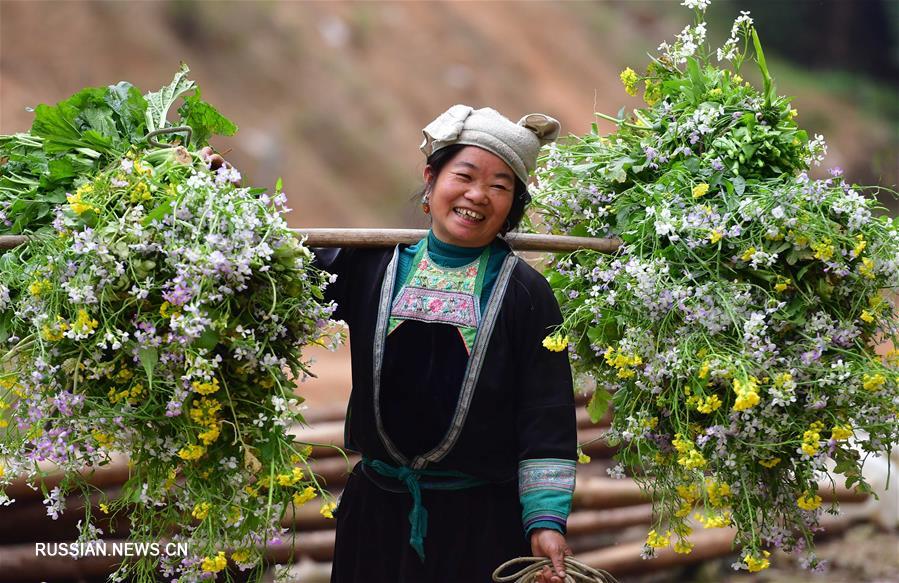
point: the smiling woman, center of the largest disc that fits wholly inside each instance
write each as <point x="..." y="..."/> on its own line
<point x="464" y="419"/>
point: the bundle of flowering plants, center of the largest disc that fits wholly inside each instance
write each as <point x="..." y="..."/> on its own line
<point x="735" y="329"/>
<point x="162" y="316"/>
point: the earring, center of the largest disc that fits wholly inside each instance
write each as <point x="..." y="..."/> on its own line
<point x="425" y="203"/>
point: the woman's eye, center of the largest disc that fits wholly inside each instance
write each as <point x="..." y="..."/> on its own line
<point x="463" y="176"/>
<point x="500" y="186"/>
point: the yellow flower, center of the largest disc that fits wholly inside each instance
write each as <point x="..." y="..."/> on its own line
<point x="715" y="91"/>
<point x="327" y="510"/>
<point x="306" y="495"/>
<point x="866" y="269"/>
<point x="76" y="203"/>
<point x="140" y="192"/>
<point x="218" y="562"/>
<point x="688" y="456"/>
<point x="688" y="492"/>
<point x="792" y="113"/>
<point x="715" y="235"/>
<point x="103" y="440"/>
<point x="656" y="540"/>
<point x="823" y="250"/>
<point x="747" y="394"/>
<point x="209" y="436"/>
<point x="873" y="383"/>
<point x="841" y="432"/>
<point x="700" y="190"/>
<point x="290" y="479"/>
<point x="240" y="556"/>
<point x="104" y="508"/>
<point x="684" y="547"/>
<point x="704" y="370"/>
<point x="866" y="316"/>
<point x="808" y="502"/>
<point x="747" y="255"/>
<point x="206" y="388"/>
<point x="54" y="333"/>
<point x="192" y="452"/>
<point x="141" y="168"/>
<point x="718" y="492"/>
<point x="40" y="286"/>
<point x="715" y="520"/>
<point x="629" y="79"/>
<point x="555" y="343"/>
<point x="783" y="283"/>
<point x="709" y="404"/>
<point x="201" y="510"/>
<point x="811" y="438"/>
<point x="859" y="245"/>
<point x="754" y="563"/>
<point x="83" y="323"/>
<point x="770" y="462"/>
<point x="583" y="458"/>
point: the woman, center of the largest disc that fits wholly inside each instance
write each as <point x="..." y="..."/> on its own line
<point x="465" y="422"/>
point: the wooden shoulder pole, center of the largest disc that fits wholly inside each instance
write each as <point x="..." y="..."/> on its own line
<point x="391" y="237"/>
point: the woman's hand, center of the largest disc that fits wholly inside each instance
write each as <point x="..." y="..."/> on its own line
<point x="546" y="542"/>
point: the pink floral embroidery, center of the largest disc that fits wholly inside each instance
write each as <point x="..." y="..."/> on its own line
<point x="435" y="305"/>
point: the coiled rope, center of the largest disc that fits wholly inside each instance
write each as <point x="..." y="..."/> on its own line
<point x="575" y="571"/>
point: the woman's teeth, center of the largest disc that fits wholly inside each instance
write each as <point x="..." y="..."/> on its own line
<point x="468" y="214"/>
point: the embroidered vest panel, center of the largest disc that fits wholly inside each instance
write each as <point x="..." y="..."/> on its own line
<point x="441" y="295"/>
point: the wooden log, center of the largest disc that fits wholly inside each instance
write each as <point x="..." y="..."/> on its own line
<point x="11" y="241"/>
<point x="593" y="442"/>
<point x="601" y="493"/>
<point x="391" y="237"/>
<point x="113" y="474"/>
<point x="593" y="521"/>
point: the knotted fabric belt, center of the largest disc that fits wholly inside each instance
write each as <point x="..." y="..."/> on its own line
<point x="418" y="518"/>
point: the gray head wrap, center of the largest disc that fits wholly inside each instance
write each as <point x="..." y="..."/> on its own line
<point x="517" y="144"/>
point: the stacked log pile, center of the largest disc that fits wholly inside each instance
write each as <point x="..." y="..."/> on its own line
<point x="606" y="528"/>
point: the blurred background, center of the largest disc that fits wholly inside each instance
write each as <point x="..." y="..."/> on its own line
<point x="332" y="96"/>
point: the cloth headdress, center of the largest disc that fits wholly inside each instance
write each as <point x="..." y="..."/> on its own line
<point x="516" y="143"/>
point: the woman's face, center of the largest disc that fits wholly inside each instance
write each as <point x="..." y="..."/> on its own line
<point x="471" y="197"/>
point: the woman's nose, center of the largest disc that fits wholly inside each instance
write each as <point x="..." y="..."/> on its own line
<point x="477" y="194"/>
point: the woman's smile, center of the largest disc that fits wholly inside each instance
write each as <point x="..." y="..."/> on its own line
<point x="471" y="198"/>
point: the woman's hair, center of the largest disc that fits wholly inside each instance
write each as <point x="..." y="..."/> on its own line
<point x="520" y="200"/>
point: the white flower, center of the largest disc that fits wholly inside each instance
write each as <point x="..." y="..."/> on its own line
<point x="696" y="4"/>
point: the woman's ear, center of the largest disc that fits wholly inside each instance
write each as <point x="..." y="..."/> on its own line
<point x="428" y="176"/>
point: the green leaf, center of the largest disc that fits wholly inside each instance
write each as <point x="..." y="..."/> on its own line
<point x="763" y="67"/>
<point x="204" y="119"/>
<point x="159" y="102"/>
<point x="159" y="212"/>
<point x="739" y="184"/>
<point x="278" y="185"/>
<point x="60" y="121"/>
<point x="208" y="339"/>
<point x="698" y="89"/>
<point x="599" y="404"/>
<point x="130" y="108"/>
<point x="148" y="358"/>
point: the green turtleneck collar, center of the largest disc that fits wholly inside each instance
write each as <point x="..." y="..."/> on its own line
<point x="449" y="255"/>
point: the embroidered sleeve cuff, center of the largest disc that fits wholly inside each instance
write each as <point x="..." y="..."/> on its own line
<point x="545" y="488"/>
<point x="544" y="524"/>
